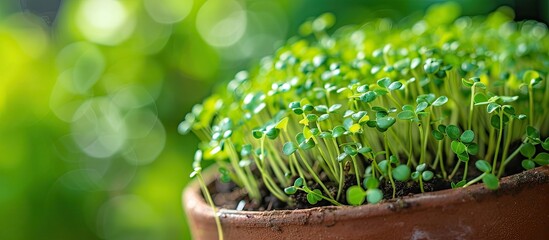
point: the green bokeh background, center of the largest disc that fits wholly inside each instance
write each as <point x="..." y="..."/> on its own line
<point x="90" y="101"/>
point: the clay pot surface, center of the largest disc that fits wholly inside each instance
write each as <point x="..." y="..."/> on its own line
<point x="519" y="209"/>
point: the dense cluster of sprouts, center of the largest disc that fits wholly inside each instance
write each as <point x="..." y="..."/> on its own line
<point x="380" y="102"/>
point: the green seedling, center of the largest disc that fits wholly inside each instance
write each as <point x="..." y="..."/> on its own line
<point x="373" y="105"/>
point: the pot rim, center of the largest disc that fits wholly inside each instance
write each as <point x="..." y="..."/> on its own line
<point x="192" y="199"/>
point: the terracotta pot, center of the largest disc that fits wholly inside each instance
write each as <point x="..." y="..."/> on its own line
<point x="518" y="210"/>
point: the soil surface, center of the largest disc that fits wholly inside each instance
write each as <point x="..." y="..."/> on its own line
<point x="230" y="196"/>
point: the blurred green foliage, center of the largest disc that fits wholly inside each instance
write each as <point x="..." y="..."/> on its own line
<point x="89" y="104"/>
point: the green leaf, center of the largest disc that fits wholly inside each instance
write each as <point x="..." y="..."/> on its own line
<point x="508" y="99"/>
<point x="495" y="121"/>
<point x="312" y="198"/>
<point x="421" y="167"/>
<point x="334" y="108"/>
<point x="384" y="82"/>
<point x="510" y="110"/>
<point x="394" y="86"/>
<point x="431" y="66"/>
<point x="363" y="88"/>
<point x="530" y="76"/>
<point x="383" y="166"/>
<point x="542" y="159"/>
<point x="421" y="106"/>
<point x="282" y="124"/>
<point x="480" y="85"/>
<point x="308" y="108"/>
<point x="393" y="159"/>
<point x="342" y="156"/>
<point x="492" y="107"/>
<point x="401" y="173"/>
<point x="355" y="128"/>
<point x="289" y="148"/>
<point x="374" y="195"/>
<point x="415" y="176"/>
<point x="311" y="117"/>
<point x="306" y="145"/>
<point x="257" y="133"/>
<point x="355" y="195"/>
<point x="483" y="166"/>
<point x="290" y="190"/>
<point x="246" y="150"/>
<point x="415" y="63"/>
<point x="407" y="108"/>
<point x="491" y="181"/>
<point x="453" y="132"/>
<point x="472" y="149"/>
<point x="528" y="164"/>
<point x="467" y="136"/>
<point x="385" y="122"/>
<point x="307" y="133"/>
<point x="528" y="150"/>
<point x="295" y="104"/>
<point x="459" y="184"/>
<point x="464" y="157"/>
<point x="297" y="111"/>
<point x="427" y="175"/>
<point x="370" y="182"/>
<point x="198" y="157"/>
<point x="442" y="128"/>
<point x="338" y="131"/>
<point x="480" y="98"/>
<point x="437" y="135"/>
<point x="440" y="101"/>
<point x="273" y="133"/>
<point x="323" y="117"/>
<point x="298" y="182"/>
<point x="380" y="92"/>
<point x="364" y="150"/>
<point x="466" y="83"/>
<point x="532" y="132"/>
<point x="406" y="115"/>
<point x="458" y="147"/>
<point x="321" y="108"/>
<point x="326" y="135"/>
<point x="545" y="144"/>
<point x="368" y="96"/>
<point x="351" y="151"/>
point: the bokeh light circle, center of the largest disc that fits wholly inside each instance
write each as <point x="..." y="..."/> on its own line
<point x="221" y="23"/>
<point x="104" y="21"/>
<point x="168" y="11"/>
<point x="98" y="128"/>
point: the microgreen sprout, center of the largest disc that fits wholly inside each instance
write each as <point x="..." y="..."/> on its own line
<point x="344" y="114"/>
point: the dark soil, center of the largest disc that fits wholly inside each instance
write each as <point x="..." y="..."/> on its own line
<point x="230" y="196"/>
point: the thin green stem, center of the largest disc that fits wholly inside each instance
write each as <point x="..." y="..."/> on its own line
<point x="421" y="184"/>
<point x="314" y="175"/>
<point x="508" y="159"/>
<point x="212" y="205"/>
<point x="531" y="103"/>
<point x="474" y="180"/>
<point x="355" y="166"/>
<point x="331" y="200"/>
<point x="465" y="170"/>
<point x="471" y="108"/>
<point x="341" y="180"/>
<point x="389" y="167"/>
<point x="410" y="155"/>
<point x="495" y="159"/>
<point x="253" y="192"/>
<point x="455" y="169"/>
